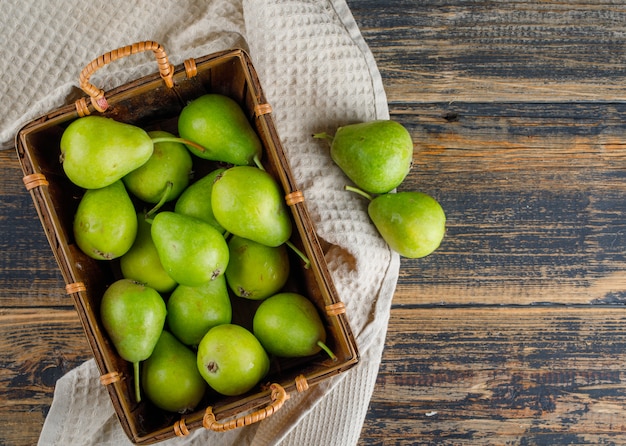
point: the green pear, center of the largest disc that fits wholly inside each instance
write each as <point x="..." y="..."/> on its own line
<point x="195" y="200"/>
<point x="231" y="359"/>
<point x="412" y="223"/>
<point x="167" y="171"/>
<point x="375" y="155"/>
<point x="256" y="271"/>
<point x="248" y="202"/>
<point x="105" y="222"/>
<point x="170" y="378"/>
<point x="192" y="251"/>
<point x="133" y="315"/>
<point x="192" y="311"/>
<point x="142" y="264"/>
<point x="219" y="124"/>
<point x="288" y="325"/>
<point x="97" y="151"/>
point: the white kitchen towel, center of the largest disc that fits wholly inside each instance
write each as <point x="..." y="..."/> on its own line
<point x="317" y="73"/>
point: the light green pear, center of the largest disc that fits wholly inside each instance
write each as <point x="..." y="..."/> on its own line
<point x="105" y="222"/>
<point x="256" y="271"/>
<point x="97" y="151"/>
<point x="375" y="155"/>
<point x="219" y="124"/>
<point x="249" y="202"/>
<point x="412" y="223"/>
<point x="195" y="200"/>
<point x="133" y="315"/>
<point x="192" y="251"/>
<point x="170" y="377"/>
<point x="192" y="311"/>
<point x="288" y="325"/>
<point x="167" y="171"/>
<point x="231" y="359"/>
<point x="142" y="264"/>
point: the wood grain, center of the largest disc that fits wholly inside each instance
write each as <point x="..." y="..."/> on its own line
<point x="498" y="375"/>
<point x="434" y="51"/>
<point x="513" y="331"/>
<point x="41" y="338"/>
<point x="37" y="347"/>
<point x="534" y="200"/>
<point x="29" y="275"/>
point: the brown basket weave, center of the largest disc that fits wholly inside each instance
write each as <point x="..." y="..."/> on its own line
<point x="154" y="102"/>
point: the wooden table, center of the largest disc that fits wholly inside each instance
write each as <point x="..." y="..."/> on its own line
<point x="514" y="331"/>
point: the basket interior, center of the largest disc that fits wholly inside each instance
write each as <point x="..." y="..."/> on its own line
<point x="148" y="103"/>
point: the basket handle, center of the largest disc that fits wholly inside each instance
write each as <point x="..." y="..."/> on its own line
<point x="166" y="70"/>
<point x="278" y="396"/>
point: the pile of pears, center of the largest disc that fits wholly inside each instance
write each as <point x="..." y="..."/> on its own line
<point x="187" y="249"/>
<point x="377" y="156"/>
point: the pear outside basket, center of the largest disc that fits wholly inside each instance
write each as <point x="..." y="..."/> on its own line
<point x="154" y="102"/>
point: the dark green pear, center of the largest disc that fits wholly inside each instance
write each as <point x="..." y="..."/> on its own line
<point x="288" y="325"/>
<point x="192" y="251"/>
<point x="219" y="124"/>
<point x="256" y="271"/>
<point x="248" y="202"/>
<point x="192" y="311"/>
<point x="133" y="316"/>
<point x="412" y="223"/>
<point x="170" y="378"/>
<point x="142" y="263"/>
<point x="195" y="201"/>
<point x="167" y="171"/>
<point x="375" y="155"/>
<point x="97" y="151"/>
<point x="231" y="359"/>
<point x="105" y="222"/>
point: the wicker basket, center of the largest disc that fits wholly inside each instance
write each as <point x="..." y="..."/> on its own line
<point x="154" y="102"/>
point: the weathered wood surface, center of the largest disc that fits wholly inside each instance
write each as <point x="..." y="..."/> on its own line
<point x="498" y="51"/>
<point x="501" y="375"/>
<point x="40" y="334"/>
<point x="534" y="195"/>
<point x="513" y="332"/>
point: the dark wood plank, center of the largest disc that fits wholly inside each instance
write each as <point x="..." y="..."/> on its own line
<point x="434" y="50"/>
<point x="516" y="110"/>
<point x="469" y="376"/>
<point x="534" y="200"/>
<point x="29" y="276"/>
<point x="512" y="333"/>
<point x="41" y="338"/>
<point x="37" y="347"/>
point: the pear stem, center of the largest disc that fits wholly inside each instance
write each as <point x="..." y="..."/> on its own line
<point x="137" y="385"/>
<point x="257" y="162"/>
<point x="187" y="142"/>
<point x="305" y="259"/>
<point x="323" y="135"/>
<point x="162" y="201"/>
<point x="324" y="347"/>
<point x="358" y="191"/>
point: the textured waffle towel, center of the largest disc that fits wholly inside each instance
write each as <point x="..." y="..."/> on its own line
<point x="317" y="73"/>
